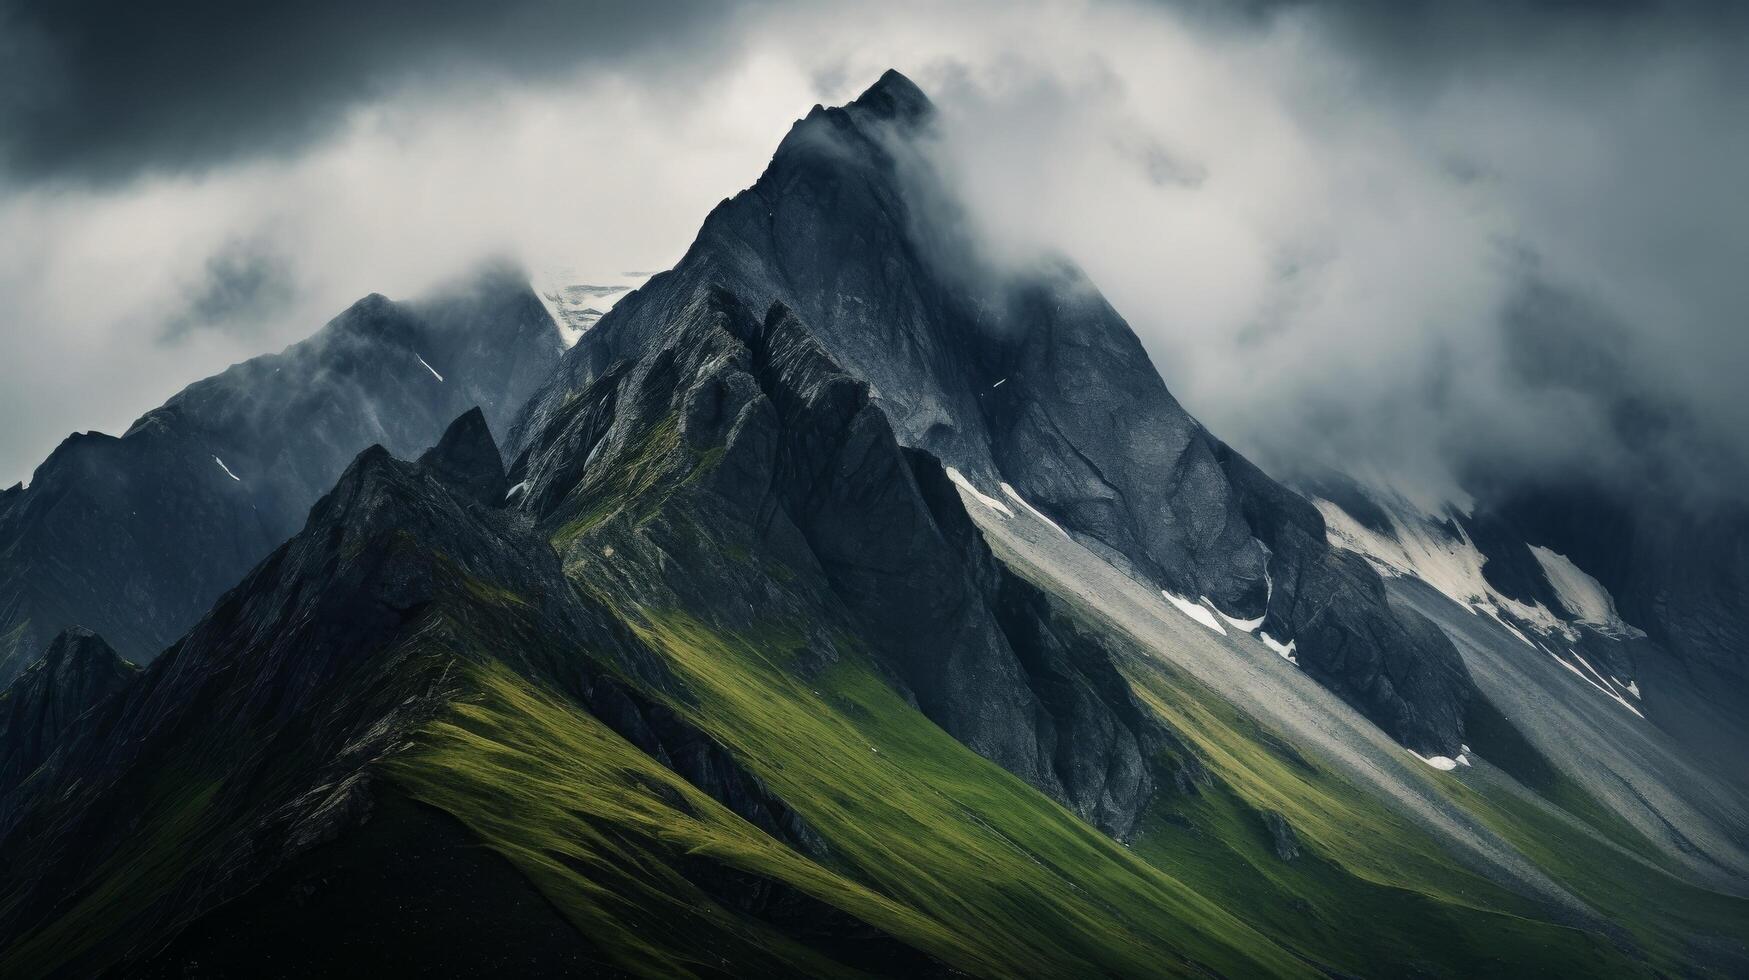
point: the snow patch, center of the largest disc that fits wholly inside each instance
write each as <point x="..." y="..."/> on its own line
<point x="576" y="302"/>
<point x="1437" y="550"/>
<point x="960" y="481"/>
<point x="1011" y="494"/>
<point x="513" y="491"/>
<point x="1585" y="597"/>
<point x="1283" y="650"/>
<point x="1244" y="625"/>
<point x="1196" y="611"/>
<point x="1440" y="762"/>
<point x="428" y="367"/>
<point x="227" y="469"/>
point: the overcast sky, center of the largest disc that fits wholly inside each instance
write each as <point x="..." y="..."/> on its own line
<point x="1408" y="238"/>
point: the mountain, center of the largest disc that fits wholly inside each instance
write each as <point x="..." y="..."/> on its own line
<point x="742" y="667"/>
<point x="136" y="536"/>
<point x="991" y="372"/>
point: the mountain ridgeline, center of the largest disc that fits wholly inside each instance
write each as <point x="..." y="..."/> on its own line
<point x="821" y="612"/>
<point x="135" y="536"/>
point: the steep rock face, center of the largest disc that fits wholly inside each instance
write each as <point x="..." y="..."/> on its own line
<point x="467" y="458"/>
<point x="135" y="536"/>
<point x="1025" y="378"/>
<point x="1105" y="748"/>
<point x="804" y="468"/>
<point x="1386" y="660"/>
<point x="78" y="672"/>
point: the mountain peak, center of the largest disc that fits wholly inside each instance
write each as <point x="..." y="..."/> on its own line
<point x="79" y="670"/>
<point x="893" y="96"/>
<point x="467" y="458"/>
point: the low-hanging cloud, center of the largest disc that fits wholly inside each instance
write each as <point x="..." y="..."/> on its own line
<point x="1394" y="267"/>
<point x="1417" y="240"/>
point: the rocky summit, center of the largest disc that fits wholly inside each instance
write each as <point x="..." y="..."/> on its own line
<point x="839" y="604"/>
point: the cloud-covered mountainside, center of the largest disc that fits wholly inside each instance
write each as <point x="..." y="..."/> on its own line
<point x="825" y="610"/>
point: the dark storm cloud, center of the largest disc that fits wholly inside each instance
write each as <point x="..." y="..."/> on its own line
<point x="103" y="89"/>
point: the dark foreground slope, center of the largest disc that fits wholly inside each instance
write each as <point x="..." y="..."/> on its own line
<point x="136" y="536"/>
<point x="1032" y="380"/>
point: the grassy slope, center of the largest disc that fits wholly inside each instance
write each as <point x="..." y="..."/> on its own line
<point x="605" y="831"/>
<point x="1018" y="880"/>
<point x="936" y="846"/>
<point x="1371" y="873"/>
<point x="1363" y="870"/>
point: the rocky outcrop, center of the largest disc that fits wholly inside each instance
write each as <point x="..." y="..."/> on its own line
<point x="750" y="422"/>
<point x="79" y="672"/>
<point x="136" y="536"/>
<point x="467" y="458"/>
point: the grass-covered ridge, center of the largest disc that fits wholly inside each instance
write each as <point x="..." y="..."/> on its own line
<point x="608" y="835"/>
<point x="1024" y="886"/>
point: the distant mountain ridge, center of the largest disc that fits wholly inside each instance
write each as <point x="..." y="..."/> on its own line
<point x="134" y="536"/>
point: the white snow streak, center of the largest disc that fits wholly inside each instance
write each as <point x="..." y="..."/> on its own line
<point x="998" y="384"/>
<point x="227" y="469"/>
<point x="1618" y="699"/>
<point x="1244" y="625"/>
<point x="513" y="491"/>
<point x="960" y="480"/>
<point x="1010" y="493"/>
<point x="1283" y="650"/>
<point x="1196" y="611"/>
<point x="428" y="367"/>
